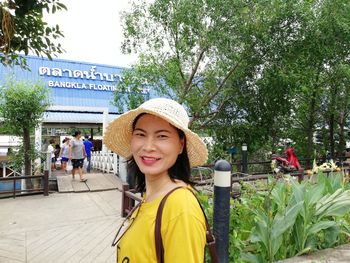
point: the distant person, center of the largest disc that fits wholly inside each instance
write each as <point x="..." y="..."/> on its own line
<point x="64" y="154"/>
<point x="291" y="156"/>
<point x="77" y="154"/>
<point x="88" y="147"/>
<point x="51" y="150"/>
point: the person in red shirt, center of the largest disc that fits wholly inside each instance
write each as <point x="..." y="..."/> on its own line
<point x="291" y="157"/>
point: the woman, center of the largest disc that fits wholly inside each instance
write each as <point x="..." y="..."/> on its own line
<point x="64" y="153"/>
<point x="160" y="150"/>
<point x="77" y="154"/>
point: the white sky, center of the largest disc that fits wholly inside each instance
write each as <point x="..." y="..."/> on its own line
<point x="93" y="31"/>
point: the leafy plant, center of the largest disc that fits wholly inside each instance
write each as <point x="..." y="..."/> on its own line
<point x="299" y="218"/>
<point x="287" y="218"/>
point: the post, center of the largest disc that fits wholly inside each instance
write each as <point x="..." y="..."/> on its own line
<point x="46" y="183"/>
<point x="48" y="163"/>
<point x="14" y="186"/>
<point x="125" y="200"/>
<point x="38" y="132"/>
<point x="221" y="217"/>
<point x="244" y="158"/>
<point x="104" y="127"/>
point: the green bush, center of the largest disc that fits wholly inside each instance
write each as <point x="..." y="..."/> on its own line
<point x="288" y="218"/>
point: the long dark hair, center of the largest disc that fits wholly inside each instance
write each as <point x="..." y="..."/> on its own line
<point x="181" y="169"/>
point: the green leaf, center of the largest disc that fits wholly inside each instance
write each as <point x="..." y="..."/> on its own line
<point x="251" y="258"/>
<point x="314" y="229"/>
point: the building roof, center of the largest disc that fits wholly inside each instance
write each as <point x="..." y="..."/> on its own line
<point x="76" y="117"/>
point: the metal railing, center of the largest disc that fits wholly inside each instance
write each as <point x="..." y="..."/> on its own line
<point x="109" y="162"/>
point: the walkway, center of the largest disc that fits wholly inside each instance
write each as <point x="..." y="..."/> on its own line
<point x="96" y="182"/>
<point x="340" y="254"/>
<point x="63" y="227"/>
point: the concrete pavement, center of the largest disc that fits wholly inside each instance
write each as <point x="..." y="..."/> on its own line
<point x="63" y="227"/>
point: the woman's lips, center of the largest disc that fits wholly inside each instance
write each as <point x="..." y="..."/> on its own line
<point x="149" y="160"/>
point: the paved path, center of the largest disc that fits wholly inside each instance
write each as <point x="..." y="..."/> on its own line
<point x="95" y="182"/>
<point x="340" y="254"/>
<point x="63" y="227"/>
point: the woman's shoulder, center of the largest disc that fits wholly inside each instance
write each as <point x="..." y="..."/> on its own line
<point x="185" y="192"/>
<point x="183" y="203"/>
<point x="182" y="199"/>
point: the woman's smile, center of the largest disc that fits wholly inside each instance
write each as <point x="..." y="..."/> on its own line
<point x="149" y="160"/>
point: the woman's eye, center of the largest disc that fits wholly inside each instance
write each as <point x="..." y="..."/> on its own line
<point x="139" y="134"/>
<point x="162" y="136"/>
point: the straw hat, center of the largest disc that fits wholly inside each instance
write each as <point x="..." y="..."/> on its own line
<point x="119" y="132"/>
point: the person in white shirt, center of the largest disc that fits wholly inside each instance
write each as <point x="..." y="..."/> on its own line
<point x="51" y="150"/>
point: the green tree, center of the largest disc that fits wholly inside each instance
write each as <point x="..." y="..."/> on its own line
<point x="320" y="56"/>
<point x="23" y="30"/>
<point x="21" y="108"/>
<point x="248" y="71"/>
<point x="209" y="55"/>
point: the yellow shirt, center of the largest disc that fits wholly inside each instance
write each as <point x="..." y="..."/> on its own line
<point x="183" y="231"/>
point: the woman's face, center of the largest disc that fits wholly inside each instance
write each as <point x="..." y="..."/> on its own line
<point x="155" y="145"/>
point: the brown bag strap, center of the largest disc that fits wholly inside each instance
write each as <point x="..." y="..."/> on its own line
<point x="210" y="240"/>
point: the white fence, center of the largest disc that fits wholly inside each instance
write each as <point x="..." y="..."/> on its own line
<point x="108" y="162"/>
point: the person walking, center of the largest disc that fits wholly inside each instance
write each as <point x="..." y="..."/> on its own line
<point x="88" y="147"/>
<point x="64" y="154"/>
<point x="160" y="151"/>
<point x="77" y="154"/>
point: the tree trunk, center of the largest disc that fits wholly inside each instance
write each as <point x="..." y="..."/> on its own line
<point x="331" y="134"/>
<point x="342" y="142"/>
<point x="26" y="148"/>
<point x="310" y="126"/>
<point x="27" y="161"/>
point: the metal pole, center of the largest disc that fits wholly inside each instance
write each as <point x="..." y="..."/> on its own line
<point x="221" y="218"/>
<point x="244" y="158"/>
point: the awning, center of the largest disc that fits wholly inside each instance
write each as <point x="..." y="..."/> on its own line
<point x="76" y="117"/>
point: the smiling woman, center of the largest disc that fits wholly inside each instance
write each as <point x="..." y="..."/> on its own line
<point x="161" y="151"/>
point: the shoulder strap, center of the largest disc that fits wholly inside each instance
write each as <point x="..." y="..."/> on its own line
<point x="210" y="240"/>
<point x="158" y="227"/>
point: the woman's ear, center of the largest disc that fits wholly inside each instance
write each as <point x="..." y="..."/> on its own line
<point x="182" y="145"/>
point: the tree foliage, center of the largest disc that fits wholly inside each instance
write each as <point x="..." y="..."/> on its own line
<point x="21" y="108"/>
<point x="248" y="71"/>
<point x="23" y="30"/>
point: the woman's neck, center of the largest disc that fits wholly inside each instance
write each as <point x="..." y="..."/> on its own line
<point x="158" y="186"/>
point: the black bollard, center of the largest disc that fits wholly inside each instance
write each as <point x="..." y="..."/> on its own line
<point x="221" y="218"/>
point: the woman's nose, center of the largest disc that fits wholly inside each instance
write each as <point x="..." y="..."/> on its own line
<point x="148" y="143"/>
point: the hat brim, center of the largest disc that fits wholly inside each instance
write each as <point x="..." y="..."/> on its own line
<point x="119" y="133"/>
